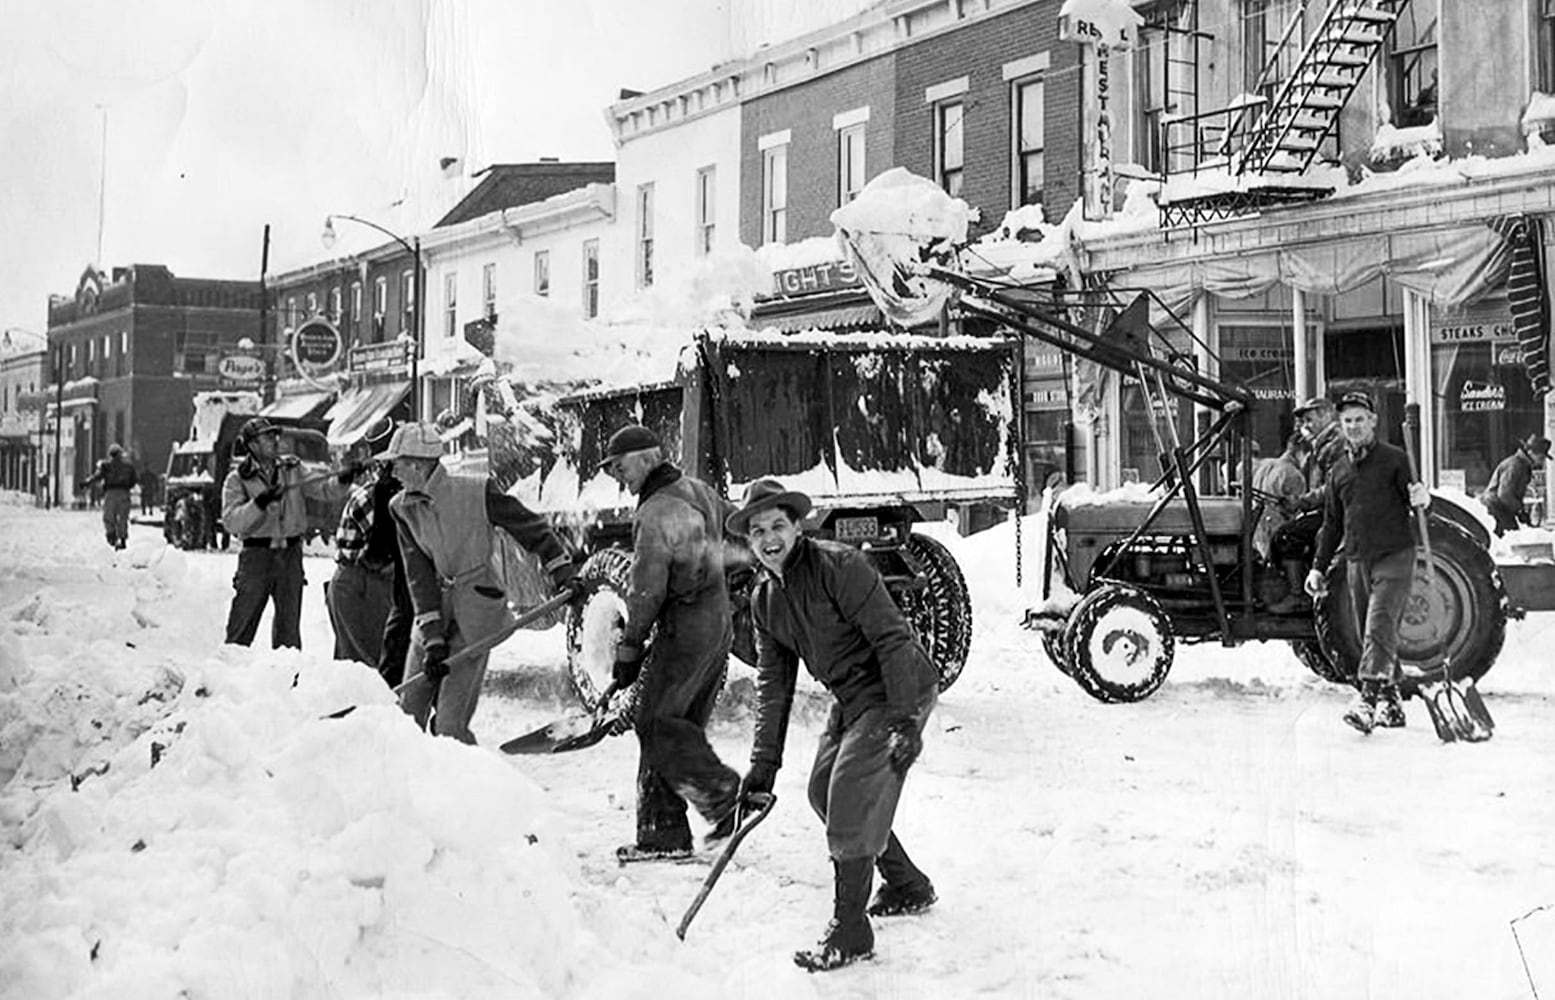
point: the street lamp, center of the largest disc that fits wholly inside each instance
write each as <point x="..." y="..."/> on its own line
<point x="413" y="247"/>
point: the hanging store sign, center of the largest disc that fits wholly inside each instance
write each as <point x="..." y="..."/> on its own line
<point x="316" y="343"/>
<point x="1478" y="324"/>
<point x="1482" y="397"/>
<point x="823" y="277"/>
<point x="1509" y="355"/>
<point x="390" y="357"/>
<point x="240" y="369"/>
<point x="1099" y="27"/>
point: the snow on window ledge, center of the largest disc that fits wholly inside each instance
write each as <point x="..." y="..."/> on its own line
<point x="1393" y="146"/>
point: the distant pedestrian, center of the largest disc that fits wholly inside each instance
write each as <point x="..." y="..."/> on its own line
<point x="444" y="524"/>
<point x="1368" y="506"/>
<point x="115" y="475"/>
<point x="149" y="481"/>
<point x="678" y="588"/>
<point x="262" y="503"/>
<point x="1504" y="494"/>
<point x="360" y="594"/>
<point x="822" y="602"/>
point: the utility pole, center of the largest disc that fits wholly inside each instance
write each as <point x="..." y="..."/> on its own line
<point x="271" y="377"/>
<point x="102" y="188"/>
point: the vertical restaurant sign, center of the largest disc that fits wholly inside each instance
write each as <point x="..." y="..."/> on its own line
<point x="1099" y="27"/>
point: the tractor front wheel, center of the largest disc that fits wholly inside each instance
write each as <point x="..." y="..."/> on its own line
<point x="1120" y="644"/>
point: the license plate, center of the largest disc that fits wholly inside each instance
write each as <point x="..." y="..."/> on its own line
<point x="856" y="529"/>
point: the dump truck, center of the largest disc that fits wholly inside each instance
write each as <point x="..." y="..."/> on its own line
<point x="882" y="431"/>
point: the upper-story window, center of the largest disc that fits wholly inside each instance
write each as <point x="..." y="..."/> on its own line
<point x="850" y="162"/>
<point x="291" y="311"/>
<point x="706" y="209"/>
<point x="1412" y="65"/>
<point x="1163" y="79"/>
<point x="1027" y="110"/>
<point x="451" y="304"/>
<point x="313" y="305"/>
<point x="334" y="305"/>
<point x="542" y="272"/>
<point x="590" y="278"/>
<point x="949" y="145"/>
<point x="489" y="290"/>
<point x="356" y="306"/>
<point x="380" y="308"/>
<point x="408" y="301"/>
<point x="644" y="235"/>
<point x="774" y="194"/>
<point x="1273" y="34"/>
<point x="1544" y="38"/>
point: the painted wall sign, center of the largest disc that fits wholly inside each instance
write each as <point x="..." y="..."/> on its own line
<point x="316" y="343"/>
<point x="1482" y="397"/>
<point x="823" y="277"/>
<point x="391" y="356"/>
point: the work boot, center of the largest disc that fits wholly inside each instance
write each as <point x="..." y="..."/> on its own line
<point x="1390" y="709"/>
<point x="848" y="938"/>
<point x="904" y="890"/>
<point x="1362" y="713"/>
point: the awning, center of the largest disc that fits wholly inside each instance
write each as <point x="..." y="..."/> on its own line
<point x="357" y="409"/>
<point x="298" y="405"/>
<point x="849" y="311"/>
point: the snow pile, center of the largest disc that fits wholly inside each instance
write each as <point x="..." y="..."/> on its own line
<point x="1392" y="143"/>
<point x="899" y="223"/>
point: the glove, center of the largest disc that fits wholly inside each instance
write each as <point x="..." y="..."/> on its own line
<point x="566" y="580"/>
<point x="269" y="496"/>
<point x="758" y="782"/>
<point x="435" y="665"/>
<point x="288" y="462"/>
<point x="1316" y="585"/>
<point x="903" y="743"/>
<point x="629" y="663"/>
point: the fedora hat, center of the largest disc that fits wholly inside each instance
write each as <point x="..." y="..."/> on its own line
<point x="765" y="494"/>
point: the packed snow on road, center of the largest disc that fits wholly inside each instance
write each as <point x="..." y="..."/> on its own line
<point x="182" y="819"/>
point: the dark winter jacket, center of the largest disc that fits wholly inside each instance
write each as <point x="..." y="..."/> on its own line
<point x="1367" y="505"/>
<point x="114" y="474"/>
<point x="831" y="609"/>
<point x="677" y="551"/>
<point x="1509" y="484"/>
<point x="1327" y="449"/>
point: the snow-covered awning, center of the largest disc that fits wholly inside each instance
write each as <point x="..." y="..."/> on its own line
<point x="357" y="409"/>
<point x="298" y="405"/>
<point x="855" y="312"/>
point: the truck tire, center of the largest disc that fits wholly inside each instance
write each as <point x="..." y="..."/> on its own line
<point x="1120" y="644"/>
<point x="1459" y="613"/>
<point x="594" y="624"/>
<point x="188" y="523"/>
<point x="940" y="612"/>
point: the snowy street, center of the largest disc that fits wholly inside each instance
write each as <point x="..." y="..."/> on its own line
<point x="1228" y="837"/>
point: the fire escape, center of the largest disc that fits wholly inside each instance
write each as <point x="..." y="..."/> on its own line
<point x="1255" y="154"/>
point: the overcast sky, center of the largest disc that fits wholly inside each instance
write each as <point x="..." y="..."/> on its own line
<point x="225" y="116"/>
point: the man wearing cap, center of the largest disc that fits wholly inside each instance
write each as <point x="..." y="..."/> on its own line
<point x="677" y="584"/>
<point x="444" y="524"/>
<point x="1503" y="495"/>
<point x="822" y="602"/>
<point x="1368" y="506"/>
<point x="262" y="504"/>
<point x="361" y="593"/>
<point x="1319" y="424"/>
<point x="117" y="476"/>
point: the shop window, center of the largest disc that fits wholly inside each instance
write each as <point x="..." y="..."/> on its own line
<point x="1261" y="358"/>
<point x="950" y="146"/>
<point x="1412" y="65"/>
<point x="1138" y="445"/>
<point x="1027" y="134"/>
<point x="1484" y="403"/>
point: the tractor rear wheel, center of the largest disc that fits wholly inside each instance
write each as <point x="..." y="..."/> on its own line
<point x="1120" y="643"/>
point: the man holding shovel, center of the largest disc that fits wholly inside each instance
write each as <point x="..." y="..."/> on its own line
<point x="262" y="503"/>
<point x="445" y="525"/>
<point x="1368" y="505"/>
<point x="823" y="602"/>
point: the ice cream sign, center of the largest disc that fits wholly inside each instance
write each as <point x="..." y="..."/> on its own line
<point x="1482" y="397"/>
<point x="1100" y="27"/>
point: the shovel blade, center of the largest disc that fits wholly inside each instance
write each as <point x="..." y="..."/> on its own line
<point x="1448" y="703"/>
<point x="549" y="736"/>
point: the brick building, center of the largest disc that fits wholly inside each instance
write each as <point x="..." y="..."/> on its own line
<point x="127" y="351"/>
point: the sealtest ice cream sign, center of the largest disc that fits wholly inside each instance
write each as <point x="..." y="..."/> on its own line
<point x="1100" y="27"/>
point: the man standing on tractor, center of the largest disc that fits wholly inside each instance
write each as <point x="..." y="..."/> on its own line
<point x="262" y="503"/>
<point x="445" y="523"/>
<point x="1368" y="506"/>
<point x="677" y="585"/>
<point x="116" y="475"/>
<point x="823" y="602"/>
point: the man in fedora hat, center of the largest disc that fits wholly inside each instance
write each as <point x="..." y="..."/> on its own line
<point x="362" y="592"/>
<point x="678" y="585"/>
<point x="445" y="522"/>
<point x="822" y="601"/>
<point x="1503" y="495"/>
<point x="1368" y="506"/>
<point x="263" y="504"/>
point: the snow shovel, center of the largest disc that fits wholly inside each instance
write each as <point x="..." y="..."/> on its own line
<point x="397" y="690"/>
<point x="1457" y="711"/>
<point x="497" y="638"/>
<point x="743" y="826"/>
<point x="573" y="732"/>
